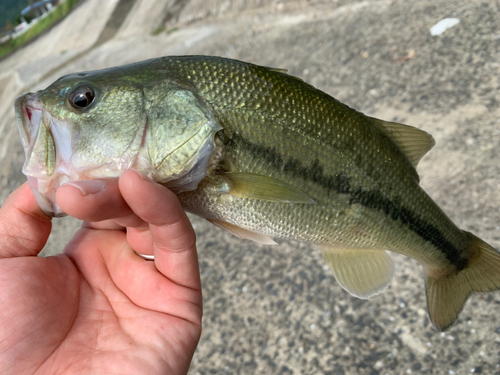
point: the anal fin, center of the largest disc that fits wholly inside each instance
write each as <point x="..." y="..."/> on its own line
<point x="243" y="233"/>
<point x="363" y="273"/>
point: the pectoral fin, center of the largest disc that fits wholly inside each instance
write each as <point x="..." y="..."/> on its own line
<point x="243" y="233"/>
<point x="249" y="185"/>
<point x="363" y="273"/>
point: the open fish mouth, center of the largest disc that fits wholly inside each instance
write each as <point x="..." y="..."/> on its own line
<point x="52" y="154"/>
<point x="47" y="148"/>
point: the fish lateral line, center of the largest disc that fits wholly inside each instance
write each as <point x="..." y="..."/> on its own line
<point x="373" y="199"/>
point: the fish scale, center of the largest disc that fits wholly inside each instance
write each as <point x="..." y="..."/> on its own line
<point x="305" y="122"/>
<point x="262" y="155"/>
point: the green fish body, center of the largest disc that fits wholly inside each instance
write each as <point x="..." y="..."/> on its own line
<point x="262" y="155"/>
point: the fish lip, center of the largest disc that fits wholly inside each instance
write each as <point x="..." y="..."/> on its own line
<point x="48" y="205"/>
<point x="22" y="120"/>
<point x="29" y="110"/>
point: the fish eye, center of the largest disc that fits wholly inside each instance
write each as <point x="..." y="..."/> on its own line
<point x="81" y="97"/>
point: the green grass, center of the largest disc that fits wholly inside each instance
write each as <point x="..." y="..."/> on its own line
<point x="160" y="29"/>
<point x="172" y="30"/>
<point x="58" y="13"/>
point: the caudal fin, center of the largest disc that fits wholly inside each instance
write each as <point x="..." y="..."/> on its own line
<point x="446" y="295"/>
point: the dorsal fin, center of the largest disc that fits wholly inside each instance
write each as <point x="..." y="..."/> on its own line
<point x="414" y="142"/>
<point x="279" y="70"/>
<point x="285" y="72"/>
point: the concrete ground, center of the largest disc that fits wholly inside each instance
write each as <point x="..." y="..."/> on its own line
<point x="278" y="310"/>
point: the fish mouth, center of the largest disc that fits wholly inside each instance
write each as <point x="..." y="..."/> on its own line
<point x="46" y="164"/>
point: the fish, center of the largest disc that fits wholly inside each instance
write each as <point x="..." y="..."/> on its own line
<point x="263" y="155"/>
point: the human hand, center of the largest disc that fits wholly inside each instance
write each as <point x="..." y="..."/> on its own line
<point x="100" y="308"/>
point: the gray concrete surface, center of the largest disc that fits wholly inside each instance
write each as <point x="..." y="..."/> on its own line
<point x="278" y="310"/>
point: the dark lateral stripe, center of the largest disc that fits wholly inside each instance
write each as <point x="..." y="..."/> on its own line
<point x="340" y="184"/>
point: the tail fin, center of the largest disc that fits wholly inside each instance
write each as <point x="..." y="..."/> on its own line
<point x="446" y="296"/>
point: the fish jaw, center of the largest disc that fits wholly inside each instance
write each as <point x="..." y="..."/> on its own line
<point x="52" y="157"/>
<point x="44" y="171"/>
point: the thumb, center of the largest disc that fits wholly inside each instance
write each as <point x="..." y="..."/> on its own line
<point x="24" y="228"/>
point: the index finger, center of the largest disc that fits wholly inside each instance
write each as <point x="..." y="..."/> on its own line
<point x="24" y="227"/>
<point x="173" y="237"/>
<point x="98" y="203"/>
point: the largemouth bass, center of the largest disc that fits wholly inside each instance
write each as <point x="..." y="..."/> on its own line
<point x="263" y="155"/>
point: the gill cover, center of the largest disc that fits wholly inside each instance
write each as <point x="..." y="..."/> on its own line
<point x="180" y="137"/>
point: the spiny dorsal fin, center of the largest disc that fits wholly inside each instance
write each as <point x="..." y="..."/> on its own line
<point x="254" y="186"/>
<point x="414" y="142"/>
<point x="285" y="71"/>
<point x="363" y="273"/>
<point x="279" y="70"/>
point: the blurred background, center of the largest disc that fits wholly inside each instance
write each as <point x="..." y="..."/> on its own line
<point x="278" y="310"/>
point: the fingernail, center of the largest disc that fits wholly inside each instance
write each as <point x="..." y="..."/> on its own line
<point x="88" y="187"/>
<point x="142" y="175"/>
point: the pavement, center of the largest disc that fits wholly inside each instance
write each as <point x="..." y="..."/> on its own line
<point x="278" y="310"/>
